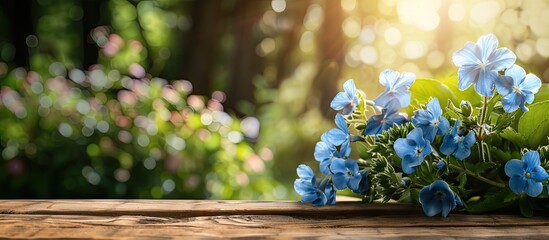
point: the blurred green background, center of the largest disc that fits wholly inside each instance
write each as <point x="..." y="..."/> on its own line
<point x="217" y="99"/>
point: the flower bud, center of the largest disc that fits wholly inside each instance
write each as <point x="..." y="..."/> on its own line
<point x="466" y="108"/>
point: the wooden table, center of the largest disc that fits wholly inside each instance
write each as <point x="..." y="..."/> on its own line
<point x="248" y="219"/>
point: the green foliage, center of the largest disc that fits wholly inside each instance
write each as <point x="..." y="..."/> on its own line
<point x="491" y="200"/>
<point x="424" y="89"/>
<point x="534" y="125"/>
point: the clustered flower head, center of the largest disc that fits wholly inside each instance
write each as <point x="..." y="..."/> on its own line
<point x="424" y="154"/>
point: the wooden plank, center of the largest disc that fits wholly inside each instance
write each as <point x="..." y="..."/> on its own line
<point x="114" y="219"/>
<point x="189" y="208"/>
<point x="253" y="226"/>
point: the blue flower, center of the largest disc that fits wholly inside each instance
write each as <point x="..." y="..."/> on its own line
<point x="364" y="185"/>
<point x="325" y="153"/>
<point x="347" y="100"/>
<point x="339" y="136"/>
<point x="441" y="165"/>
<point x="345" y="174"/>
<point x="397" y="86"/>
<point x="381" y="122"/>
<point x="517" y="88"/>
<point x="307" y="187"/>
<point x="330" y="193"/>
<point x="438" y="198"/>
<point x="412" y="150"/>
<point x="526" y="175"/>
<point x="480" y="62"/>
<point x="458" y="145"/>
<point x="431" y="120"/>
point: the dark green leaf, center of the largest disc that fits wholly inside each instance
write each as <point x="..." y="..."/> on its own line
<point x="492" y="200"/>
<point x="526" y="207"/>
<point x="513" y="136"/>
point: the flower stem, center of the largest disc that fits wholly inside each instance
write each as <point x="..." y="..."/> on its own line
<point x="481" y="127"/>
<point x="477" y="176"/>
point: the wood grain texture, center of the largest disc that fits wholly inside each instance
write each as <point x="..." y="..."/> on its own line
<point x="248" y="219"/>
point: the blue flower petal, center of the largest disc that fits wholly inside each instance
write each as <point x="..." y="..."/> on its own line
<point x="511" y="102"/>
<point x="338" y="166"/>
<point x="514" y="167"/>
<point x="530" y="84"/>
<point x="303" y="187"/>
<point x="352" y="165"/>
<point x="374" y="125"/>
<point x="426" y="151"/>
<point x="388" y="78"/>
<point x="468" y="55"/>
<point x="310" y="197"/>
<point x="504" y="85"/>
<point x="350" y="88"/>
<point x="462" y="152"/>
<point x="485" y="82"/>
<point x="470" y="139"/>
<point x="341" y="124"/>
<point x="340" y="181"/>
<point x="433" y="106"/>
<point x="517" y="184"/>
<point x="487" y="44"/>
<point x="501" y="59"/>
<point x="330" y="193"/>
<point x="539" y="174"/>
<point x="449" y="145"/>
<point x="402" y="147"/>
<point x="429" y="133"/>
<point x="322" y="151"/>
<point x="531" y="160"/>
<point x="467" y="75"/>
<point x="354" y="182"/>
<point x="397" y="87"/>
<point x="325" y="167"/>
<point x="533" y="188"/>
<point x="422" y="117"/>
<point x="409" y="164"/>
<point x="447" y="207"/>
<point x="432" y="208"/>
<point x="417" y="136"/>
<point x="334" y="136"/>
<point x="321" y="201"/>
<point x="339" y="101"/>
<point x="305" y="172"/>
<point x="516" y="73"/>
<point x="443" y="126"/>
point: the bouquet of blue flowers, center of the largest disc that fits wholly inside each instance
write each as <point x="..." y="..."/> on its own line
<point x="462" y="147"/>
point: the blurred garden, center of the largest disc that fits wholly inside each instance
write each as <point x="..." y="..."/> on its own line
<point x="213" y="99"/>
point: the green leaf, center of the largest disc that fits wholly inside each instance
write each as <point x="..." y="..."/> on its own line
<point x="423" y="89"/>
<point x="469" y="94"/>
<point x="526" y="207"/>
<point x="480" y="167"/>
<point x="513" y="136"/>
<point x="492" y="200"/>
<point x="543" y="93"/>
<point x="534" y="124"/>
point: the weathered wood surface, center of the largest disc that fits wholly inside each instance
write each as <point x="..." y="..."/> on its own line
<point x="249" y="219"/>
